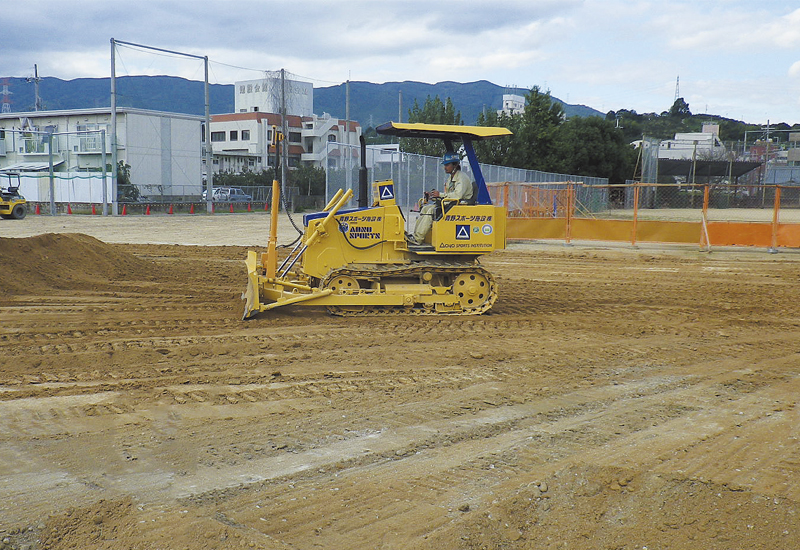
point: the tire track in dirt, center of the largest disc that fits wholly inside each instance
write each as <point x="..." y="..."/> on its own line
<point x="384" y="430"/>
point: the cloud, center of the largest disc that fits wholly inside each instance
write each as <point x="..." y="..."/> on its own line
<point x="603" y="53"/>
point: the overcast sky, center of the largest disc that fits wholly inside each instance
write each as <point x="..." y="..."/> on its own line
<point x="735" y="58"/>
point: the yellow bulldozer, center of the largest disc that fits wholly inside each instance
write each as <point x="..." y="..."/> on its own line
<point x="358" y="261"/>
<point x="13" y="206"/>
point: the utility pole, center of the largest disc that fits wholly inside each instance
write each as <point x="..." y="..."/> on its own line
<point x="207" y="152"/>
<point x="114" y="179"/>
<point x="348" y="178"/>
<point x="37" y="102"/>
<point x="285" y="130"/>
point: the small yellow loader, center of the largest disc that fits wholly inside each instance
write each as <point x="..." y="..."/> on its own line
<point x="13" y="206"/>
<point x="357" y="261"/>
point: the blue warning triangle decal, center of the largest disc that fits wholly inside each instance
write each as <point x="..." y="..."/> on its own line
<point x="387" y="192"/>
<point x="462" y="232"/>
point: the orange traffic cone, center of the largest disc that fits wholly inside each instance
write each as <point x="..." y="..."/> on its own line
<point x="147" y="212"/>
<point x="124" y="209"/>
<point x="266" y="207"/>
<point x="69" y="208"/>
<point x="213" y="207"/>
<point x="170" y="209"/>
<point x="191" y="208"/>
<point x="231" y="208"/>
<point x="248" y="207"/>
<point x="94" y="211"/>
<point x="38" y="211"/>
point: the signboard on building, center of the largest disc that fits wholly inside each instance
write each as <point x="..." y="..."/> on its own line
<point x="265" y="96"/>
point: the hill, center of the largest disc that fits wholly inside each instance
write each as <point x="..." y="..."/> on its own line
<point x="370" y="104"/>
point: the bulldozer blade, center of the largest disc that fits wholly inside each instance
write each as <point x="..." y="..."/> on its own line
<point x="252" y="304"/>
<point x="251" y="300"/>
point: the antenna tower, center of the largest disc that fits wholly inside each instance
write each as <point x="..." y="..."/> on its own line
<point x="677" y="88"/>
<point x="5" y="93"/>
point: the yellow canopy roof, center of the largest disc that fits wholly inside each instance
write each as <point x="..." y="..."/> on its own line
<point x="440" y="131"/>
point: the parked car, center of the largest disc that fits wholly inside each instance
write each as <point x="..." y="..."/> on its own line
<point x="228" y="194"/>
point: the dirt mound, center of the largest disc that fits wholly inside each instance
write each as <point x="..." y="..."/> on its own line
<point x="66" y="261"/>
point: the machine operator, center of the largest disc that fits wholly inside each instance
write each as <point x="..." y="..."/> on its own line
<point x="457" y="186"/>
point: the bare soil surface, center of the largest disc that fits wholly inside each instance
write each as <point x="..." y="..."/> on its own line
<point x="612" y="399"/>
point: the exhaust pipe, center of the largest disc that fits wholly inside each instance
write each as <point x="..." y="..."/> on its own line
<point x="363" y="188"/>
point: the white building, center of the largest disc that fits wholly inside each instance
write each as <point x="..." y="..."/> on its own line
<point x="512" y="104"/>
<point x="265" y="95"/>
<point x="164" y="150"/>
<point x="241" y="141"/>
<point x="704" y="145"/>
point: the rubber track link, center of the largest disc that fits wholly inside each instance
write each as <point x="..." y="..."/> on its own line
<point x="410" y="271"/>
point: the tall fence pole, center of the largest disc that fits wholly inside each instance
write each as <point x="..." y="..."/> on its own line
<point x="51" y="175"/>
<point x="775" y="216"/>
<point x="635" y="213"/>
<point x="105" y="172"/>
<point x="704" y="220"/>
<point x="568" y="214"/>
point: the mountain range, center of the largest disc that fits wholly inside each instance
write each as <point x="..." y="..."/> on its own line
<point x="370" y="104"/>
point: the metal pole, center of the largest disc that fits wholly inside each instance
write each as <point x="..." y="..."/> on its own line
<point x="105" y="173"/>
<point x="37" y="105"/>
<point x="52" y="177"/>
<point x="209" y="175"/>
<point x="776" y="207"/>
<point x="114" y="182"/>
<point x="285" y="148"/>
<point x="327" y="177"/>
<point x="348" y="167"/>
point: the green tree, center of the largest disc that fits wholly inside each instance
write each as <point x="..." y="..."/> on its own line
<point x="537" y="129"/>
<point x="593" y="146"/>
<point x="309" y="179"/>
<point x="434" y="111"/>
<point x="499" y="151"/>
<point x="680" y="108"/>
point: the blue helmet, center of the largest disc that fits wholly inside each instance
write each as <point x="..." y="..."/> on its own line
<point x="450" y="158"/>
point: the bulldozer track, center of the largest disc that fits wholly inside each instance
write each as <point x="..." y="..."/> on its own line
<point x="411" y="270"/>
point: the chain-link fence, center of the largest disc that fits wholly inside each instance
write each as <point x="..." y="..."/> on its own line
<point x="414" y="174"/>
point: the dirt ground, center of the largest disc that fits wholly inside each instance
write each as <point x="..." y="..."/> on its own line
<point x="614" y="398"/>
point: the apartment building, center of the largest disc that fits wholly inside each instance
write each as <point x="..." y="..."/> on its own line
<point x="241" y="141"/>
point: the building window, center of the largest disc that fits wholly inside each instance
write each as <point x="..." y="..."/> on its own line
<point x="255" y="109"/>
<point x="331" y="137"/>
<point x="294" y="137"/>
<point x="242" y="110"/>
<point x="245" y="135"/>
<point x="234" y="135"/>
<point x="251" y="163"/>
<point x="217" y="136"/>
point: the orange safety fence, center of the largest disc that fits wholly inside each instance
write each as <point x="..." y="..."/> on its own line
<point x="707" y="215"/>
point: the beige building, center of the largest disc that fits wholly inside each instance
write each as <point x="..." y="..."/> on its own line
<point x="241" y="141"/>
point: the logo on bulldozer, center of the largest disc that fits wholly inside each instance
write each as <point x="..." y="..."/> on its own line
<point x="462" y="232"/>
<point x="386" y="192"/>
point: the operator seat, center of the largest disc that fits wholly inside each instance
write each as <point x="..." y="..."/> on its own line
<point x="474" y="199"/>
